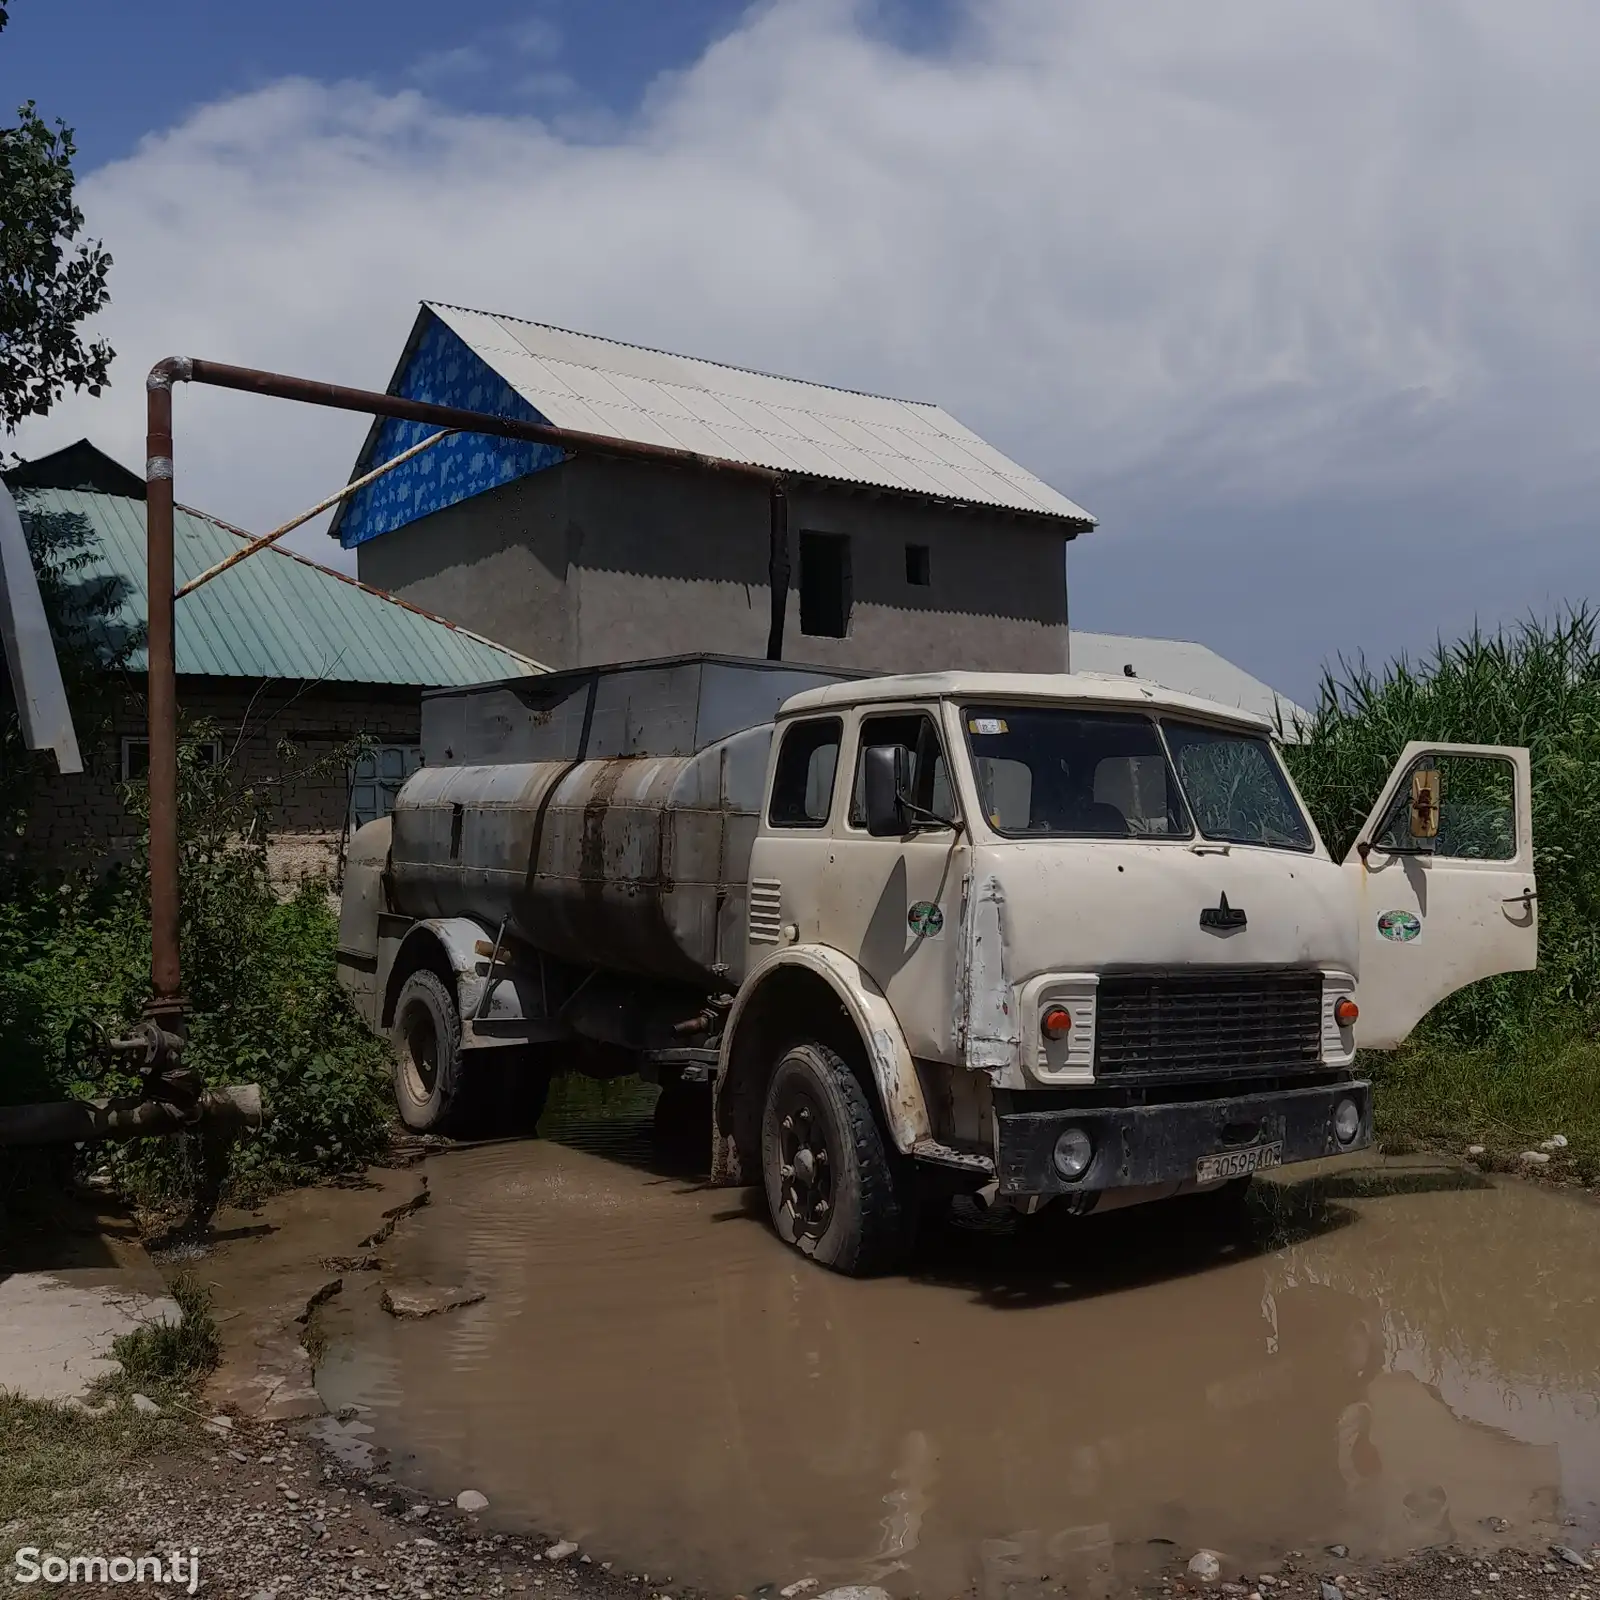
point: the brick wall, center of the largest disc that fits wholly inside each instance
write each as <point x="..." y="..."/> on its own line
<point x="277" y="738"/>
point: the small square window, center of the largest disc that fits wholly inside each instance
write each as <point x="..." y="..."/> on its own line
<point x="919" y="569"/>
<point x="825" y="585"/>
<point x="136" y="757"/>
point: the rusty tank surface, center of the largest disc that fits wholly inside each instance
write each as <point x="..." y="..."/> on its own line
<point x="604" y="817"/>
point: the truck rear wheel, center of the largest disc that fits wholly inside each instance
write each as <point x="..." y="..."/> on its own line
<point x="834" y="1189"/>
<point x="427" y="1051"/>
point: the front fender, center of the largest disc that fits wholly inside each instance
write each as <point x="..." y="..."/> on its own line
<point x="511" y="1014"/>
<point x="905" y="1110"/>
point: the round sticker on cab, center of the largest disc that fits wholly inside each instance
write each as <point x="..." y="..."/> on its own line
<point x="1400" y="926"/>
<point x="925" y="919"/>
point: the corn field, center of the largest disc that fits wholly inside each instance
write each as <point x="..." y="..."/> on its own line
<point x="1515" y="1056"/>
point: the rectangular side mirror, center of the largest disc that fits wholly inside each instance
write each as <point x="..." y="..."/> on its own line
<point x="886" y="776"/>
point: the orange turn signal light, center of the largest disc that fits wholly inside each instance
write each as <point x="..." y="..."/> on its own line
<point x="1345" y="1012"/>
<point x="1057" y="1023"/>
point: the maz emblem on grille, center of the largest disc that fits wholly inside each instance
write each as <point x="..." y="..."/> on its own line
<point x="766" y="910"/>
<point x="1222" y="917"/>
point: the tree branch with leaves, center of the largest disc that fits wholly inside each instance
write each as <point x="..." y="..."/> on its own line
<point x="49" y="283"/>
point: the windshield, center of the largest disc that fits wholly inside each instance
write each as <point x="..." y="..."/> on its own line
<point x="1093" y="774"/>
<point x="1048" y="770"/>
<point x="1236" y="788"/>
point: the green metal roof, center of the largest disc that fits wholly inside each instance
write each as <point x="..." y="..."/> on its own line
<point x="277" y="615"/>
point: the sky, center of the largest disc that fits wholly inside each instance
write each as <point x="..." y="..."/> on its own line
<point x="1301" y="301"/>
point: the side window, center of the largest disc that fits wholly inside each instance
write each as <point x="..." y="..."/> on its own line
<point x="1459" y="806"/>
<point x="802" y="784"/>
<point x="930" y="773"/>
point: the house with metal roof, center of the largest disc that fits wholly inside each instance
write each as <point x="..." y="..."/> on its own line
<point x="884" y="535"/>
<point x="308" y="682"/>
<point x="1188" y="668"/>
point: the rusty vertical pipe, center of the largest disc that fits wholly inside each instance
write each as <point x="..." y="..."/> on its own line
<point x="166" y="975"/>
<point x="778" y="569"/>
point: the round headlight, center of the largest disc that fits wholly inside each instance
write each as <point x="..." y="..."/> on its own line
<point x="1346" y="1121"/>
<point x="1073" y="1153"/>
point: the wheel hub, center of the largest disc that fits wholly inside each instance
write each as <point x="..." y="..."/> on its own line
<point x="806" y="1170"/>
<point x="422" y="1054"/>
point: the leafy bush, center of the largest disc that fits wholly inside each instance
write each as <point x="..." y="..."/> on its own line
<point x="266" y="1005"/>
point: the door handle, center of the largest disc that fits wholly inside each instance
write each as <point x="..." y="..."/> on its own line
<point x="1526" y="898"/>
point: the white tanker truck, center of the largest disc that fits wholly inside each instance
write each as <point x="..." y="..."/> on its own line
<point x="1053" y="939"/>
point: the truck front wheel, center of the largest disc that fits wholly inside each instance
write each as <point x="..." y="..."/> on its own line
<point x="427" y="1053"/>
<point x="834" y="1190"/>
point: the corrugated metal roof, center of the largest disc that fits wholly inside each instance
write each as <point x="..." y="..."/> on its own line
<point x="276" y="615"/>
<point x="1185" y="667"/>
<point x="625" y="391"/>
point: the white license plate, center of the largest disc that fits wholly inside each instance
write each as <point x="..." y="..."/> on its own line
<point x="1239" y="1163"/>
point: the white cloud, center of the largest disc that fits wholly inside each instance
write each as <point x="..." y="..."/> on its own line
<point x="1194" y="264"/>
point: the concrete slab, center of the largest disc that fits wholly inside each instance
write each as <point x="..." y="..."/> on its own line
<point x="57" y="1329"/>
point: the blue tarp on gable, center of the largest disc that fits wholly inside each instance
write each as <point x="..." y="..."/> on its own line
<point x="442" y="371"/>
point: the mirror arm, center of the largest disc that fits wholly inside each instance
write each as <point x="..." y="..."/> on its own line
<point x="1365" y="849"/>
<point x="925" y="814"/>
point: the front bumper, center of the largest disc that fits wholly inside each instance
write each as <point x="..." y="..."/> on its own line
<point x="1141" y="1145"/>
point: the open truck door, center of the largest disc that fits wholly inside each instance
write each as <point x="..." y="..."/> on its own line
<point x="1445" y="891"/>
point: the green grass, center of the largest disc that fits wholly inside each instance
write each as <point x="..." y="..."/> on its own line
<point x="1444" y="1096"/>
<point x="58" y="1458"/>
<point x="169" y="1360"/>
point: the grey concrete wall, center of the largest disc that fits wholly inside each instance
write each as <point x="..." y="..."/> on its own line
<point x="613" y="561"/>
<point x="496" y="563"/>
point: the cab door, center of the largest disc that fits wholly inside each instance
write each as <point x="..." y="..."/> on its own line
<point x="1443" y="874"/>
<point x="894" y="905"/>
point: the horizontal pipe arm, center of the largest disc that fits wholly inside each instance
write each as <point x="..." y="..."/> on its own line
<point x="311" y="391"/>
<point x="95" y="1121"/>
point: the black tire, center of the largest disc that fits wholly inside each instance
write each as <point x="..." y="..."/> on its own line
<point x="427" y="1054"/>
<point x="848" y="1206"/>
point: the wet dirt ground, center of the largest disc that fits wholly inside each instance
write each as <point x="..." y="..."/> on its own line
<point x="1385" y="1360"/>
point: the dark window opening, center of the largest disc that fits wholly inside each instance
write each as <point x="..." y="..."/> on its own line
<point x="136" y="757"/>
<point x="802" y="785"/>
<point x="825" y="585"/>
<point x="919" y="568"/>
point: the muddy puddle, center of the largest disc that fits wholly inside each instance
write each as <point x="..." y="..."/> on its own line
<point x="1384" y="1359"/>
